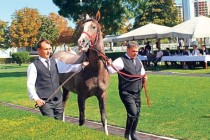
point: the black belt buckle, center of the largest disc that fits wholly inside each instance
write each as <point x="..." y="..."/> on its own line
<point x="55" y="99"/>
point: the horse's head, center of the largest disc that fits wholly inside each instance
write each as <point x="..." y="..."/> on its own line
<point x="91" y="32"/>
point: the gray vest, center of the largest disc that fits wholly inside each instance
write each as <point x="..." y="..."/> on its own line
<point x="47" y="81"/>
<point x="126" y="83"/>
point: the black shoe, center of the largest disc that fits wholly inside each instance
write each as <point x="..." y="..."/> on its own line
<point x="134" y="136"/>
<point x="127" y="135"/>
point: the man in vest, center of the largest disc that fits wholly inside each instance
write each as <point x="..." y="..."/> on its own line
<point x="130" y="88"/>
<point x="43" y="80"/>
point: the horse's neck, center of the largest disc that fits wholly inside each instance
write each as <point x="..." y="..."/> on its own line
<point x="100" y="45"/>
<point x="94" y="59"/>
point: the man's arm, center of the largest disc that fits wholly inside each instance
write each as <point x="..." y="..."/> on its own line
<point x="65" y="68"/>
<point x="117" y="64"/>
<point x="31" y="80"/>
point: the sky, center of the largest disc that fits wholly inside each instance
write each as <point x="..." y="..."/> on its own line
<point x="8" y="7"/>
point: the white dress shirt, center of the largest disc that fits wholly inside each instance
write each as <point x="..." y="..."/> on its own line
<point x="196" y="52"/>
<point x="32" y="74"/>
<point x="159" y="54"/>
<point x="119" y="65"/>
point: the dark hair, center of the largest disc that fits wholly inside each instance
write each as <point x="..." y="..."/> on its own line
<point x="132" y="44"/>
<point x="39" y="44"/>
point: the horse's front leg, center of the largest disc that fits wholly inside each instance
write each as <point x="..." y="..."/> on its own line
<point x="81" y="104"/>
<point x="102" y="107"/>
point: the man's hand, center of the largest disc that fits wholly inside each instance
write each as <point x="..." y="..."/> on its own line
<point x="109" y="62"/>
<point x="144" y="79"/>
<point x="40" y="102"/>
<point x="84" y="64"/>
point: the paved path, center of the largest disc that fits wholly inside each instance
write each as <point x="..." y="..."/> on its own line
<point x="113" y="130"/>
<point x="177" y="73"/>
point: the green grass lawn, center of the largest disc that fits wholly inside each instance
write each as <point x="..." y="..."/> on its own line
<point x="22" y="125"/>
<point x="179" y="105"/>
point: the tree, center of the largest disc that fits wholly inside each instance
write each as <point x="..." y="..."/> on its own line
<point x="24" y="27"/>
<point x="3" y="31"/>
<point x="48" y="30"/>
<point x="112" y="12"/>
<point x="66" y="36"/>
<point x="162" y="12"/>
<point x="64" y="32"/>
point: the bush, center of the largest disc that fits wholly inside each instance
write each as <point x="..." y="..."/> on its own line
<point x="115" y="55"/>
<point x="21" y="57"/>
<point x="33" y="58"/>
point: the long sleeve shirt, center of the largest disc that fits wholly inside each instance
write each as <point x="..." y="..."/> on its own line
<point x="119" y="65"/>
<point x="32" y="74"/>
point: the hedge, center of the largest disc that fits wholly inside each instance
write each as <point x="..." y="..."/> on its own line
<point x="10" y="60"/>
<point x="6" y="61"/>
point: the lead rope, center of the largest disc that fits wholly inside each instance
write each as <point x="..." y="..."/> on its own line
<point x="127" y="75"/>
<point x="36" y="105"/>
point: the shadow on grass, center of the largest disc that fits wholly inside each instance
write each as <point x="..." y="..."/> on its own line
<point x="11" y="66"/>
<point x="163" y="68"/>
<point x="13" y="74"/>
<point x="206" y="117"/>
<point x="160" y="68"/>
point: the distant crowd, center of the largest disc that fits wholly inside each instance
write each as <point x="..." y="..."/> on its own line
<point x="156" y="57"/>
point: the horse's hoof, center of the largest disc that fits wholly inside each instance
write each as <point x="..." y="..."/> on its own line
<point x="81" y="122"/>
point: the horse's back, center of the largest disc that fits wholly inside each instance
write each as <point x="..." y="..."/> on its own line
<point x="68" y="57"/>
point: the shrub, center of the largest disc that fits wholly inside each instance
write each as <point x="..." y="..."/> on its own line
<point x="21" y="57"/>
<point x="33" y="58"/>
<point x="115" y="55"/>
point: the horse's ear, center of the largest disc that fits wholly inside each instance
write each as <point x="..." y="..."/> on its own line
<point x="98" y="15"/>
<point x="87" y="17"/>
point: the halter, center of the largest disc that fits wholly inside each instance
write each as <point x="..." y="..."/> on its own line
<point x="95" y="37"/>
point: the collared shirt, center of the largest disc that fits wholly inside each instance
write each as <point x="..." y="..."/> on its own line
<point x="159" y="54"/>
<point x="119" y="65"/>
<point x="196" y="52"/>
<point x="32" y="74"/>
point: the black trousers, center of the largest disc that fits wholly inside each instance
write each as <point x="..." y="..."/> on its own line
<point x="132" y="103"/>
<point x="53" y="109"/>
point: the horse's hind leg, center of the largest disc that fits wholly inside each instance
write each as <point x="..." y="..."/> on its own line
<point x="65" y="98"/>
<point x="102" y="106"/>
<point x="81" y="104"/>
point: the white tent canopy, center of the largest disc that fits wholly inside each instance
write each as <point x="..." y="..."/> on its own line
<point x="147" y="31"/>
<point x="198" y="27"/>
<point x="109" y="38"/>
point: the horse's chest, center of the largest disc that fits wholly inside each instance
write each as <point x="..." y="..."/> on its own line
<point x="93" y="80"/>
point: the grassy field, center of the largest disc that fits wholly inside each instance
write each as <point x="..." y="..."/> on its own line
<point x="179" y="105"/>
<point x="22" y="125"/>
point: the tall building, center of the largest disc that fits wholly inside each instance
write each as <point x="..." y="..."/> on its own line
<point x="180" y="11"/>
<point x="201" y="7"/>
<point x="188" y="9"/>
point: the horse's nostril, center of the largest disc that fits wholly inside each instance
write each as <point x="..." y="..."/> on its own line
<point x="83" y="41"/>
<point x="79" y="41"/>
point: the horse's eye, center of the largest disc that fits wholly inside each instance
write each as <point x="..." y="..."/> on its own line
<point x="94" y="27"/>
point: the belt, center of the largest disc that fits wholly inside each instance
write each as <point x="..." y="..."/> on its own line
<point x="53" y="99"/>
